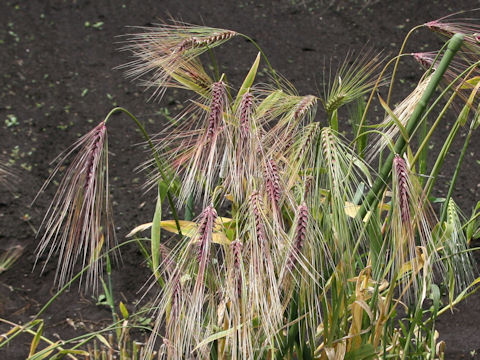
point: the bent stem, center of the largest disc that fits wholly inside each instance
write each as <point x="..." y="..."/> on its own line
<point x="400" y="53"/>
<point x="155" y="156"/>
<point x="270" y="67"/>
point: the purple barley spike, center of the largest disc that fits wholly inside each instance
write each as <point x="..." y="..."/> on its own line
<point x="205" y="229"/>
<point x="96" y="148"/>
<point x="401" y="171"/>
<point x="452" y="24"/>
<point x="272" y="180"/>
<point x="216" y="109"/>
<point x="245" y="113"/>
<point x="237" y="248"/>
<point x="425" y="59"/>
<point x="300" y="235"/>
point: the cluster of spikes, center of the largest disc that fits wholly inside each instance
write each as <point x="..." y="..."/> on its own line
<point x="294" y="187"/>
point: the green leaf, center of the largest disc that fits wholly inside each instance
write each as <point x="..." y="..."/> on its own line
<point x="364" y="352"/>
<point x="436" y="298"/>
<point x="123" y="310"/>
<point x="36" y="339"/>
<point x="216" y="336"/>
<point x="247" y="83"/>
<point x="468" y="84"/>
<point x="103" y="340"/>
<point x="155" y="232"/>
<point x="395" y="119"/>
<point x="190" y="229"/>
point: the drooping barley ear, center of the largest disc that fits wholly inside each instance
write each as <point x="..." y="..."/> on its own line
<point x="299" y="237"/>
<point x="429" y="61"/>
<point x="425" y="59"/>
<point x="163" y="52"/>
<point x="78" y="223"/>
<point x="199" y="42"/>
<point x="452" y="24"/>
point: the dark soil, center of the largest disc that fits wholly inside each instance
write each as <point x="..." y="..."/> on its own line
<point x="58" y="80"/>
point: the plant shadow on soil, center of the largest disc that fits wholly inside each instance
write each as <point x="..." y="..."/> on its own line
<point x="58" y="81"/>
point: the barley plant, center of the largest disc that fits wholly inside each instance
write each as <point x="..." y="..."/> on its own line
<point x="314" y="236"/>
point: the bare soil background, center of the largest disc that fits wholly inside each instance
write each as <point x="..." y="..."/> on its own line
<point x="58" y="80"/>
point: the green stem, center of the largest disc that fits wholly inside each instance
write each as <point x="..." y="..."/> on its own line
<point x="380" y="183"/>
<point x="372" y="94"/>
<point x="441" y="157"/>
<point x="455" y="175"/>
<point x="189" y="208"/>
<point x="425" y="141"/>
<point x="398" y="60"/>
<point x="270" y="67"/>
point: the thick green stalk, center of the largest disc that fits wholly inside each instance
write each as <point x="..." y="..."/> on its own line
<point x="372" y="197"/>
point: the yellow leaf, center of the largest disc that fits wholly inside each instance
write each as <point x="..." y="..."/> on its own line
<point x="189" y="228"/>
<point x="139" y="228"/>
<point x="468" y="84"/>
<point x="103" y="340"/>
